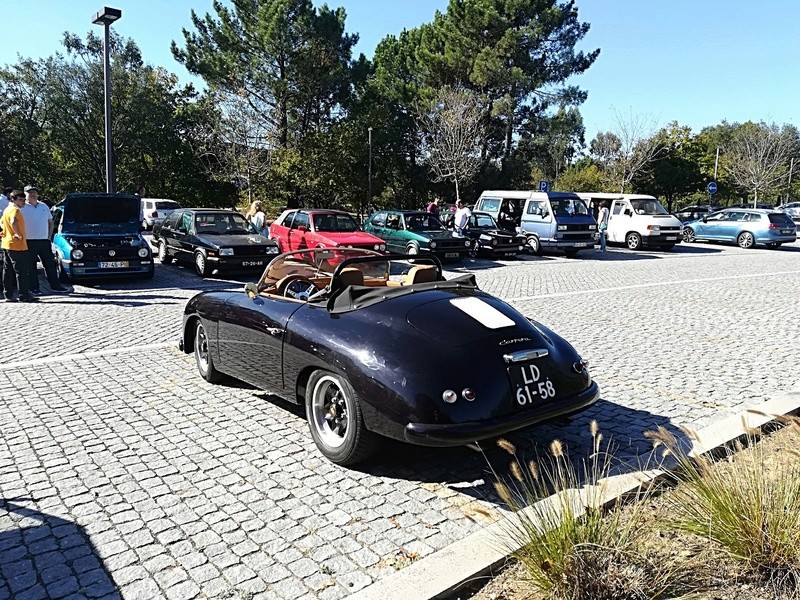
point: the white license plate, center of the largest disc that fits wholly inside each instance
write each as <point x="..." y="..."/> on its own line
<point x="530" y="385"/>
<point x="581" y="244"/>
<point x="252" y="263"/>
<point x="788" y="231"/>
<point x="670" y="237"/>
<point x="120" y="264"/>
<point x="451" y="254"/>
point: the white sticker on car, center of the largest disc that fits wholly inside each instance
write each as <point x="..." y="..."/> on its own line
<point x="485" y="314"/>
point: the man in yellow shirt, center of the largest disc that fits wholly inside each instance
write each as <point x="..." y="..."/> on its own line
<point x="15" y="244"/>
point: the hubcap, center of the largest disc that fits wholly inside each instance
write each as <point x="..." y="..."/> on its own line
<point x="747" y="240"/>
<point x="330" y="412"/>
<point x="633" y="242"/>
<point x="200" y="261"/>
<point x="162" y="251"/>
<point x="412" y="249"/>
<point x="201" y="348"/>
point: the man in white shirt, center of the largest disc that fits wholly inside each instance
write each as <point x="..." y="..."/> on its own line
<point x="461" y="220"/>
<point x="39" y="227"/>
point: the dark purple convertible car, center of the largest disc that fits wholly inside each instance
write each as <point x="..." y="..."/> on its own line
<point x="379" y="346"/>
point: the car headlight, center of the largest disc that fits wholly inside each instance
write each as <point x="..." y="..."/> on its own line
<point x="468" y="243"/>
<point x="494" y="242"/>
<point x="77" y="254"/>
<point x="654" y="227"/>
<point x="592" y="227"/>
<point x="272" y="250"/>
<point x="226" y="251"/>
<point x="562" y="228"/>
<point x="433" y="244"/>
<point x="143" y="252"/>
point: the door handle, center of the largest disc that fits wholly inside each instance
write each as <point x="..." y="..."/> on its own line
<point x="276" y="331"/>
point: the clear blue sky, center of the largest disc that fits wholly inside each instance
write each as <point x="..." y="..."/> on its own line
<point x="697" y="62"/>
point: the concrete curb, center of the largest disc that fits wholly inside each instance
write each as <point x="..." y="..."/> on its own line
<point x="441" y="574"/>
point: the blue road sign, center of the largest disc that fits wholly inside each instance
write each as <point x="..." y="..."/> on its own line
<point x="712" y="187"/>
<point x="544" y="186"/>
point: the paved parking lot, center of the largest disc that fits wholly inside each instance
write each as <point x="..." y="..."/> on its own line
<point x="123" y="473"/>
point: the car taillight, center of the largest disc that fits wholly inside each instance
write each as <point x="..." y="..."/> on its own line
<point x="774" y="226"/>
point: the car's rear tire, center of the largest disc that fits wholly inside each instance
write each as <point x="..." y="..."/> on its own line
<point x="201" y="264"/>
<point x="334" y="418"/>
<point x="534" y="245"/>
<point x="746" y="240"/>
<point x="163" y="254"/>
<point x="633" y="241"/>
<point x="688" y="234"/>
<point x="202" y="356"/>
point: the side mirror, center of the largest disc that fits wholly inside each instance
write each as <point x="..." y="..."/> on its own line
<point x="705" y="219"/>
<point x="627" y="212"/>
<point x="302" y="229"/>
<point x="251" y="289"/>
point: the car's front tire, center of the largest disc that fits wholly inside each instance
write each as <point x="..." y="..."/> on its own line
<point x="202" y="355"/>
<point x="62" y="274"/>
<point x="633" y="241"/>
<point x="746" y="240"/>
<point x="201" y="264"/>
<point x="534" y="245"/>
<point x="412" y="249"/>
<point x="163" y="254"/>
<point x="334" y="417"/>
<point x="688" y="235"/>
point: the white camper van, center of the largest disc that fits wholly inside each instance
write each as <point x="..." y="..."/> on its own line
<point x="636" y="220"/>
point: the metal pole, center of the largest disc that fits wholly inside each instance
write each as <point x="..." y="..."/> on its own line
<point x="369" y="190"/>
<point x="107" y="78"/>
<point x="716" y="164"/>
<point x="789" y="187"/>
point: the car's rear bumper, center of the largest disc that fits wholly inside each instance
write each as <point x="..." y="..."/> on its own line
<point x="458" y="434"/>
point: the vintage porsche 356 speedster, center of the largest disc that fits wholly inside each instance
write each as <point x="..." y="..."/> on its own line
<point x="376" y="346"/>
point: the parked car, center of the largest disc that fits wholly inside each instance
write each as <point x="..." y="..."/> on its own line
<point x="415" y="232"/>
<point x="211" y="239"/>
<point x="347" y="342"/>
<point x="746" y="227"/>
<point x="300" y="229"/>
<point x="792" y="209"/>
<point x="487" y="238"/>
<point x="557" y="220"/>
<point x="636" y="220"/>
<point x="155" y="210"/>
<point x="98" y="235"/>
<point x="695" y="212"/>
<point x="760" y="205"/>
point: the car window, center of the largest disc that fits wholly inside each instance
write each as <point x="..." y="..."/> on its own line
<point x="648" y="207"/>
<point x="172" y="220"/>
<point x="167" y="205"/>
<point x="393" y="221"/>
<point x="737" y="216"/>
<point x="490" y="204"/>
<point x="379" y="220"/>
<point x="483" y="221"/>
<point x="185" y="223"/>
<point x="334" y="222"/>
<point x="617" y="208"/>
<point x="718" y="216"/>
<point x="537" y="207"/>
<point x="780" y="219"/>
<point x="422" y="222"/>
<point x="300" y="220"/>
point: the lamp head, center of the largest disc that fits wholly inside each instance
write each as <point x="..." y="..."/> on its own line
<point x="107" y="16"/>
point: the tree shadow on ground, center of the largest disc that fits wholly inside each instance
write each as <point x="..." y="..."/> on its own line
<point x="45" y="556"/>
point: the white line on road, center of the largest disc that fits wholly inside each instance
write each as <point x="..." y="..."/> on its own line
<point x="67" y="357"/>
<point x="647" y="285"/>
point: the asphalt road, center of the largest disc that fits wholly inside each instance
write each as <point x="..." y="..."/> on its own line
<point x="123" y="473"/>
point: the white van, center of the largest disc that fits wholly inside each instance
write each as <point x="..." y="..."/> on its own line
<point x="636" y="220"/>
<point x="155" y="210"/>
<point x="547" y="219"/>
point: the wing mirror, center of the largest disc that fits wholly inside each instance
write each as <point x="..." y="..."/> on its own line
<point x="302" y="229"/>
<point x="705" y="219"/>
<point x="251" y="289"/>
<point x="627" y="212"/>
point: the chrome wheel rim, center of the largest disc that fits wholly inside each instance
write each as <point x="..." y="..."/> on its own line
<point x="200" y="263"/>
<point x="688" y="235"/>
<point x="201" y="348"/>
<point x="633" y="242"/>
<point x="330" y="412"/>
<point x="746" y="240"/>
<point x="533" y="244"/>
<point x="162" y="251"/>
<point x="413" y="250"/>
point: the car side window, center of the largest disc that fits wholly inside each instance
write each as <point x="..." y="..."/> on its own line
<point x="537" y="208"/>
<point x="617" y="208"/>
<point x="393" y="221"/>
<point x="753" y="217"/>
<point x="185" y="223"/>
<point x="379" y="220"/>
<point x="171" y="221"/>
<point x="300" y="220"/>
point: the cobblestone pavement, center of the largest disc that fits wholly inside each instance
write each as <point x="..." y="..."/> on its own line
<point x="123" y="473"/>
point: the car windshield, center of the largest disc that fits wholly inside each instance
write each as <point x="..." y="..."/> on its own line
<point x="222" y="223"/>
<point x="167" y="205"/>
<point x="88" y="214"/>
<point x="648" y="207"/>
<point x="568" y="207"/>
<point x="319" y="262"/>
<point x="422" y="222"/>
<point x="484" y="221"/>
<point x="334" y="222"/>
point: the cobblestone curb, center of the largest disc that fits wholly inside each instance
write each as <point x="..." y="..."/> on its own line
<point x="443" y="573"/>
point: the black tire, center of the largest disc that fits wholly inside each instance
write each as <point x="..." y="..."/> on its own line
<point x="163" y="254"/>
<point x="688" y="234"/>
<point x="333" y="410"/>
<point x="473" y="249"/>
<point x="412" y="249"/>
<point x="201" y="264"/>
<point x="746" y="240"/>
<point x="202" y="356"/>
<point x="633" y="241"/>
<point x="62" y="274"/>
<point x="533" y="245"/>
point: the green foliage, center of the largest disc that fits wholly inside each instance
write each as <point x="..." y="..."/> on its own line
<point x="585" y="176"/>
<point x="748" y="507"/>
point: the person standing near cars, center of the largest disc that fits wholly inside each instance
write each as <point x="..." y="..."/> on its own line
<point x="433" y="207"/>
<point x="602" y="224"/>
<point x="15" y="248"/>
<point x="462" y="217"/>
<point x="39" y="229"/>
<point x="4" y="202"/>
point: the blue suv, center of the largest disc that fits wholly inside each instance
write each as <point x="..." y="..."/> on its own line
<point x="98" y="235"/>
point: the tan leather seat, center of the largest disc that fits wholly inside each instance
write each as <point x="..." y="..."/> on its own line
<point x="420" y="274"/>
<point x="351" y="276"/>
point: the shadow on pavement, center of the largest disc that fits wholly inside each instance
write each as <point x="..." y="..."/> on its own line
<point x="45" y="556"/>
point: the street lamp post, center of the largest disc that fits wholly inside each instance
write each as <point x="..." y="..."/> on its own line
<point x="369" y="176"/>
<point x="106" y="17"/>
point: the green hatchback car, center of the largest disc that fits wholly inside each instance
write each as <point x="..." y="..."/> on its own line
<point x="412" y="232"/>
